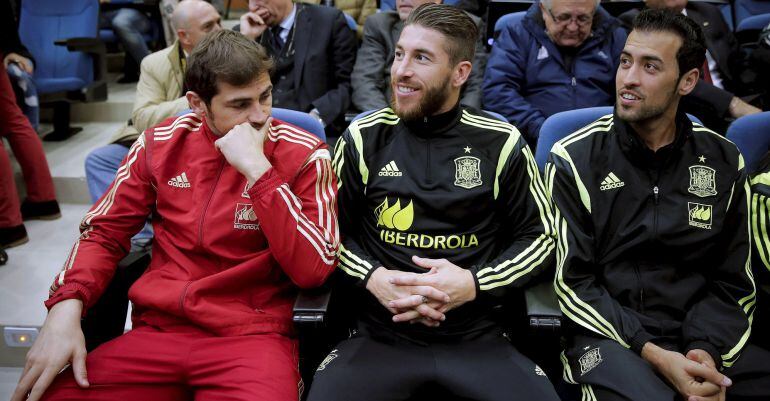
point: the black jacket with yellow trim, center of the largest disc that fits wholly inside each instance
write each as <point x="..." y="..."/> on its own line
<point x="653" y="246"/>
<point x="760" y="227"/>
<point x="461" y="186"/>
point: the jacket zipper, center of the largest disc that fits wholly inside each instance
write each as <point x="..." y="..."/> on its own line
<point x="641" y="288"/>
<point x="427" y="158"/>
<point x="208" y="201"/>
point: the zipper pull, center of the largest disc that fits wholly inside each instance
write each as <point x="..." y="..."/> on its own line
<point x="655" y="193"/>
<point x="574" y="81"/>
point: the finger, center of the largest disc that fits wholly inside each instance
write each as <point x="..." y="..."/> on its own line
<point x="432" y="293"/>
<point x="27" y="66"/>
<point x="428" y="322"/>
<point x="426" y="263"/>
<point x="411" y="279"/>
<point x="42" y="384"/>
<point x="427" y="311"/>
<point x="409" y="302"/>
<point x="26" y="382"/>
<point x="704" y="389"/>
<point x="79" y="368"/>
<point x="709" y="374"/>
<point x="409" y="315"/>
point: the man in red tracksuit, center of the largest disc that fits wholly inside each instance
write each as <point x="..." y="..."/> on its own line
<point x="245" y="212"/>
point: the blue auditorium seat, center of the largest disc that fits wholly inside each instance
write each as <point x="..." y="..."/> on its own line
<point x="747" y="8"/>
<point x="754" y="23"/>
<point x="62" y="36"/>
<point x="752" y="136"/>
<point x="506" y="20"/>
<point x="302" y="120"/>
<point x="387" y="5"/>
<point x="562" y="124"/>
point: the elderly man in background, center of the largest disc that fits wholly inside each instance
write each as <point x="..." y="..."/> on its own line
<point x="562" y="56"/>
<point x="159" y="95"/>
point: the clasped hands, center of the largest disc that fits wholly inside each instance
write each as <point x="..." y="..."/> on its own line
<point x="423" y="297"/>
<point x="694" y="375"/>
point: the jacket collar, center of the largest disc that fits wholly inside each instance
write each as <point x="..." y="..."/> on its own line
<point x="175" y="61"/>
<point x="637" y="151"/>
<point x="431" y="126"/>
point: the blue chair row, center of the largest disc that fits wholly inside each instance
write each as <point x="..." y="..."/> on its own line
<point x="70" y="59"/>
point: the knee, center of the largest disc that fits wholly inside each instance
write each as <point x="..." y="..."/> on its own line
<point x="100" y="160"/>
<point x="129" y="20"/>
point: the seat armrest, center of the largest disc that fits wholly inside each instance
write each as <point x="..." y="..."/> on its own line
<point x="543" y="307"/>
<point x="92" y="46"/>
<point x="311" y="306"/>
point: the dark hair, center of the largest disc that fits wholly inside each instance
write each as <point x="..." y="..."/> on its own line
<point x="459" y="29"/>
<point x="225" y="56"/>
<point x="692" y="53"/>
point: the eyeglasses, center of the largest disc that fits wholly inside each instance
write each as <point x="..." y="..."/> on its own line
<point x="565" y="19"/>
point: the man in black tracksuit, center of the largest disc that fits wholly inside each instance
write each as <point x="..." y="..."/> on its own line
<point x="442" y="212"/>
<point x="653" y="267"/>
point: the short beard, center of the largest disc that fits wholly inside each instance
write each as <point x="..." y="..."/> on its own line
<point x="429" y="104"/>
<point x="647" y="113"/>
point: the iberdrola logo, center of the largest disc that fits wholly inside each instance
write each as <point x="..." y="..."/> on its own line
<point x="394" y="216"/>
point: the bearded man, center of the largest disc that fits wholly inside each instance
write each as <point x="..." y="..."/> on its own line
<point x="445" y="214"/>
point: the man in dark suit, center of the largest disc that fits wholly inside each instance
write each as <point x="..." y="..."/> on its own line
<point x="713" y="100"/>
<point x="314" y="50"/>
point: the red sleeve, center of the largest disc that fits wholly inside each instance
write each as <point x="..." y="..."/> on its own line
<point x="106" y="231"/>
<point x="300" y="222"/>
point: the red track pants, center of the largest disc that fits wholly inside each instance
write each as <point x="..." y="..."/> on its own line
<point x="28" y="150"/>
<point x="146" y="364"/>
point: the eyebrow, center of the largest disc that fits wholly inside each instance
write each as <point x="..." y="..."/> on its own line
<point x="646" y="57"/>
<point x="419" y="50"/>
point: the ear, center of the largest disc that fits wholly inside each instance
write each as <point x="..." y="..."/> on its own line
<point x="182" y="35"/>
<point x="461" y="73"/>
<point x="542" y="9"/>
<point x="197" y="104"/>
<point x="688" y="81"/>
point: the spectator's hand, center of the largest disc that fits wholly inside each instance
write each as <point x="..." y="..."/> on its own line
<point x="60" y="342"/>
<point x="23" y="62"/>
<point x="427" y="300"/>
<point x="252" y="25"/>
<point x="444" y="276"/>
<point x="695" y="381"/>
<point x="739" y="108"/>
<point x="243" y="149"/>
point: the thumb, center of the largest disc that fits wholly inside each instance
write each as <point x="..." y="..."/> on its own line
<point x="79" y="368"/>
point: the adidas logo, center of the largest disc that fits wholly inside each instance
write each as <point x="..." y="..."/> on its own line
<point x="390" y="170"/>
<point x="179" y="181"/>
<point x="611" y="182"/>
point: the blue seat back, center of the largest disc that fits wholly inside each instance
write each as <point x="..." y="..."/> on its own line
<point x="752" y="136"/>
<point x="43" y="22"/>
<point x="387" y="5"/>
<point x="754" y="23"/>
<point x="746" y="8"/>
<point x="302" y="120"/>
<point x="560" y="125"/>
<point x="508" y="20"/>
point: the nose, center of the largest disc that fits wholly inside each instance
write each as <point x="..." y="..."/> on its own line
<point x="401" y="68"/>
<point x="629" y="77"/>
<point x="259" y="114"/>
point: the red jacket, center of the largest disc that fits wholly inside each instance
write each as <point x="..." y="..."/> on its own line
<point x="211" y="262"/>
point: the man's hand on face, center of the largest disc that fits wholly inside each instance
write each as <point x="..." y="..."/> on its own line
<point x="243" y="149"/>
<point x="442" y="275"/>
<point x="427" y="300"/>
<point x="694" y="380"/>
<point x="252" y="25"/>
<point x="60" y="342"/>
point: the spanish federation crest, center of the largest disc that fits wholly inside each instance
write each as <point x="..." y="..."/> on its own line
<point x="590" y="360"/>
<point x="702" y="181"/>
<point x="467" y="172"/>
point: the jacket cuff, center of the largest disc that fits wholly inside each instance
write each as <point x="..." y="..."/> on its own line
<point x="269" y="181"/>
<point x="70" y="291"/>
<point x="637" y="342"/>
<point x="368" y="276"/>
<point x="708" y="347"/>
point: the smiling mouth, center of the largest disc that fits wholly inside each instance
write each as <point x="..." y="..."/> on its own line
<point x="629" y="96"/>
<point x="405" y="89"/>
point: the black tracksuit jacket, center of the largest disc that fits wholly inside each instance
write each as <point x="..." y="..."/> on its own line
<point x="461" y="186"/>
<point x="653" y="246"/>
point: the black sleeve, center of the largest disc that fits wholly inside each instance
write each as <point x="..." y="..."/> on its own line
<point x="334" y="103"/>
<point x="9" y="33"/>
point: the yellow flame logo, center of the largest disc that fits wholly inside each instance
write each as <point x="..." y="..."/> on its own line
<point x="701" y="213"/>
<point x="394" y="216"/>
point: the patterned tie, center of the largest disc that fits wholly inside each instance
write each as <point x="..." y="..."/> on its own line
<point x="276" y="38"/>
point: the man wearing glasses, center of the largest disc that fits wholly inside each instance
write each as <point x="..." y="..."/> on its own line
<point x="561" y="56"/>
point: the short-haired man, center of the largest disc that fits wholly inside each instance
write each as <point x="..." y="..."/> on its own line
<point x="160" y="94"/>
<point x="653" y="271"/>
<point x="562" y="56"/>
<point x="445" y="214"/>
<point x="371" y="74"/>
<point x="244" y="212"/>
<point x="314" y="50"/>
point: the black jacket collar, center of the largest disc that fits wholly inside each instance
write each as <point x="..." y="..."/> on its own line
<point x="430" y="126"/>
<point x="635" y="149"/>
